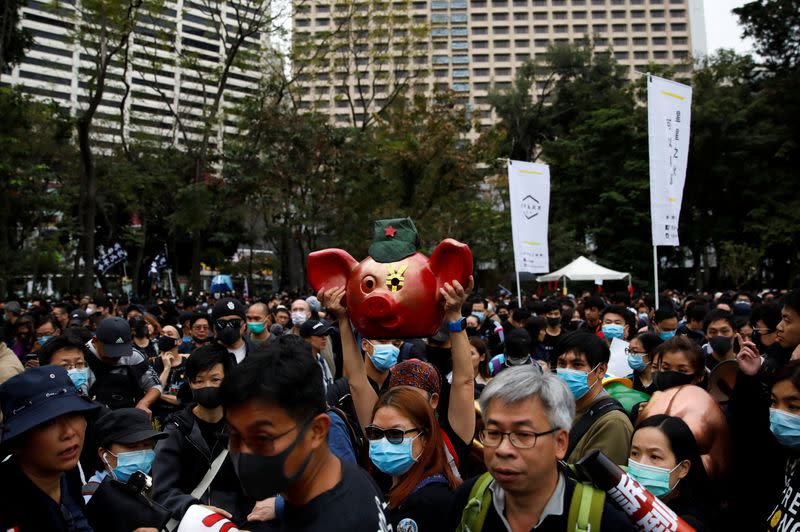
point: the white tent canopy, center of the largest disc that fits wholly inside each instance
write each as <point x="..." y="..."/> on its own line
<point x="582" y="269"/>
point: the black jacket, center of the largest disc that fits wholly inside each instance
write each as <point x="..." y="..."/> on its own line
<point x="26" y="508"/>
<point x="181" y="462"/>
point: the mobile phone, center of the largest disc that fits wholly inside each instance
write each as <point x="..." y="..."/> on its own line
<point x="31" y="356"/>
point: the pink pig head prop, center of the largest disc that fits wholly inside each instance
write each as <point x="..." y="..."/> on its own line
<point x="393" y="293"/>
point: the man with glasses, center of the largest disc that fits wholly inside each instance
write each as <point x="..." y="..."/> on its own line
<point x="276" y="413"/>
<point x="200" y="330"/>
<point x="527" y="417"/>
<point x="229" y="317"/>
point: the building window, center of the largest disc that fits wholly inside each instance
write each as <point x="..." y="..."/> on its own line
<point x="620" y="28"/>
<point x="502" y="44"/>
<point x="522" y="43"/>
<point x="521" y="16"/>
<point x="520" y="30"/>
<point x="461" y="73"/>
<point x="500" y="16"/>
<point x="502" y="58"/>
<point x="678" y="26"/>
<point x="640" y="55"/>
<point x="502" y="71"/>
<point x="598" y="15"/>
<point x="500" y="30"/>
<point x="480" y="72"/>
<point x="480" y="31"/>
<point x="478" y="17"/>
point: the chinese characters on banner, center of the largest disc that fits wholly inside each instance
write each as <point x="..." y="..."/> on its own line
<point x="529" y="193"/>
<point x="112" y="256"/>
<point x="668" y="115"/>
<point x="649" y="513"/>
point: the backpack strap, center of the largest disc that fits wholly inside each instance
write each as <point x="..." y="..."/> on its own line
<point x="89" y="488"/>
<point x="586" y="508"/>
<point x="477" y="508"/>
<point x="595" y="412"/>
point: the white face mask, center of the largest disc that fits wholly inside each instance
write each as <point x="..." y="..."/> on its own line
<point x="299" y="318"/>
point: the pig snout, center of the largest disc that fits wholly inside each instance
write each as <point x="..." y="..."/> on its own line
<point x="378" y="306"/>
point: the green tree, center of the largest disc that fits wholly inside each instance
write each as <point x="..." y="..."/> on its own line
<point x="35" y="157"/>
<point x="14" y="40"/>
<point x="199" y="128"/>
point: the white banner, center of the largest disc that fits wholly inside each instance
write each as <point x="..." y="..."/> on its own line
<point x="669" y="112"/>
<point x="529" y="193"/>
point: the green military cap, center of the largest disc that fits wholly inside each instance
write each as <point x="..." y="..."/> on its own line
<point x="393" y="240"/>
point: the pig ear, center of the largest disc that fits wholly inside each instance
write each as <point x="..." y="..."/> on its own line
<point x="328" y="268"/>
<point x="452" y="260"/>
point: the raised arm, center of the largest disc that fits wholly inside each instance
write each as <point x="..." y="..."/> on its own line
<point x="354" y="369"/>
<point x="461" y="410"/>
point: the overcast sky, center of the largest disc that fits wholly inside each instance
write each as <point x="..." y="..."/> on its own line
<point x="722" y="28"/>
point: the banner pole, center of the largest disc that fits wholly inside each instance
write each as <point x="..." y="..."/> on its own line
<point x="655" y="273"/>
<point x="519" y="292"/>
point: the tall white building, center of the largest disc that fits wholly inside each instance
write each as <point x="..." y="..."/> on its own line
<point x="472" y="45"/>
<point x="172" y="55"/>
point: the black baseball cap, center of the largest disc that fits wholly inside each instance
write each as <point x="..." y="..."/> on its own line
<point x="228" y="306"/>
<point x="125" y="426"/>
<point x="77" y="317"/>
<point x="315" y="328"/>
<point x="115" y="335"/>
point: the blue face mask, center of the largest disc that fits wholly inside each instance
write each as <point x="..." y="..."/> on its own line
<point x="655" y="479"/>
<point x="785" y="427"/>
<point x="612" y="330"/>
<point x="384" y="356"/>
<point x="79" y="376"/>
<point x="636" y="362"/>
<point x="666" y="335"/>
<point x="186" y="339"/>
<point x="43" y="340"/>
<point x="643" y="316"/>
<point x="392" y="458"/>
<point x="479" y="315"/>
<point x="130" y="462"/>
<point x="577" y="381"/>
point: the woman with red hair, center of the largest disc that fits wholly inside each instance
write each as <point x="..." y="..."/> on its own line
<point x="406" y="443"/>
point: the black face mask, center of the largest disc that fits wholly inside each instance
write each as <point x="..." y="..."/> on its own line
<point x="229" y="336"/>
<point x="208" y="397"/>
<point x="165" y="343"/>
<point x="140" y="329"/>
<point x="721" y="345"/>
<point x="200" y="341"/>
<point x="664" y="380"/>
<point x="263" y="477"/>
<point x="553" y="322"/>
<point x="472" y="331"/>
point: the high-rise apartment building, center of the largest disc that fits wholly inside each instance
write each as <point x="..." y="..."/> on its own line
<point x="164" y="89"/>
<point x="472" y="45"/>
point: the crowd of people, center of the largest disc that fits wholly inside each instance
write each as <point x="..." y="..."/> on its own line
<point x="274" y="413"/>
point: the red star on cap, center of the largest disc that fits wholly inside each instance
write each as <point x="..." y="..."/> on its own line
<point x="390" y="231"/>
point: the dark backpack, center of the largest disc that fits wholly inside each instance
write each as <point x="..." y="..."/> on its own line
<point x="114" y="386"/>
<point x="340" y="402"/>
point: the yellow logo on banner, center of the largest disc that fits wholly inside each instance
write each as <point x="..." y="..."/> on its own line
<point x="681" y="98"/>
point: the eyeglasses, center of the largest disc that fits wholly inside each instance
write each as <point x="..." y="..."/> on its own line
<point x="200" y="327"/>
<point x="520" y="440"/>
<point x="632" y="353"/>
<point x="765" y="330"/>
<point x="262" y="444"/>
<point x="226" y="324"/>
<point x="77" y="365"/>
<point x="394" y="436"/>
